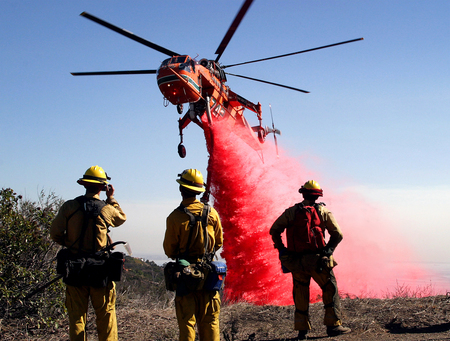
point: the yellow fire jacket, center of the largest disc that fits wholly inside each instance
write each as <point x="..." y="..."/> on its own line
<point x="66" y="232"/>
<point x="177" y="232"/>
<point x="327" y="222"/>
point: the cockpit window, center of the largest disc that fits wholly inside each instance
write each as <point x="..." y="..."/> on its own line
<point x="165" y="62"/>
<point x="178" y="59"/>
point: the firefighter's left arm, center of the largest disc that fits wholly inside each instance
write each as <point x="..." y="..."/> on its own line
<point x="333" y="229"/>
<point x="218" y="232"/>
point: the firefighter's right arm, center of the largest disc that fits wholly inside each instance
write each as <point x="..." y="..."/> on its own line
<point x="278" y="228"/>
<point x="171" y="242"/>
<point x="113" y="213"/>
<point x="59" y="226"/>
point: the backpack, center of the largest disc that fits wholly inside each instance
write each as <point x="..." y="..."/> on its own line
<point x="304" y="234"/>
<point x="94" y="269"/>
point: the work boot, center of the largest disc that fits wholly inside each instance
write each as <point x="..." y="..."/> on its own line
<point x="302" y="335"/>
<point x="338" y="330"/>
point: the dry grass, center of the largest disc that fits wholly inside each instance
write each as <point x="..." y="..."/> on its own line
<point x="400" y="318"/>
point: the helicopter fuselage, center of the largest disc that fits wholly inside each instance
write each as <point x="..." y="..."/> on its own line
<point x="183" y="80"/>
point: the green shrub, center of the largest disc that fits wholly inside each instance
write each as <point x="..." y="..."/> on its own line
<point x="27" y="259"/>
<point x="143" y="284"/>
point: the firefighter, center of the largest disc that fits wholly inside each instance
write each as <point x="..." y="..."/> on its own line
<point x="307" y="256"/>
<point x="199" y="307"/>
<point x="67" y="230"/>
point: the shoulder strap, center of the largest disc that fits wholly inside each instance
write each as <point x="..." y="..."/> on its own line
<point x="299" y="205"/>
<point x="316" y="206"/>
<point x="93" y="207"/>
<point x="191" y="227"/>
<point x="193" y="219"/>
<point x="205" y="214"/>
<point x="89" y="211"/>
<point x="80" y="201"/>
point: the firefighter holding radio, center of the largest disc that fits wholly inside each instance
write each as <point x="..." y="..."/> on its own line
<point x="81" y="225"/>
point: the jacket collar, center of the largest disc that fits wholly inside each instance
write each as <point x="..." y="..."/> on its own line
<point x="189" y="201"/>
<point x="92" y="196"/>
<point x="308" y="202"/>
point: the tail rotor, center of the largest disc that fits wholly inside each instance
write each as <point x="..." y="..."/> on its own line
<point x="273" y="130"/>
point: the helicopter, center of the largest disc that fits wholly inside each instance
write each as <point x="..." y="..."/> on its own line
<point x="202" y="85"/>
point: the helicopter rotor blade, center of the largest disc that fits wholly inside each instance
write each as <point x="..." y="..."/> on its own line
<point x="108" y="73"/>
<point x="271" y="83"/>
<point x="130" y="35"/>
<point x="276" y="144"/>
<point x="290" y="54"/>
<point x="234" y="25"/>
<point x="274" y="130"/>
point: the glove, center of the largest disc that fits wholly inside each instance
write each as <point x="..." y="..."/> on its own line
<point x="327" y="251"/>
<point x="283" y="255"/>
<point x="285" y="269"/>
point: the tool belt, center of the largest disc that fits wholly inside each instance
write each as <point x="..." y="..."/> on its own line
<point x="95" y="270"/>
<point x="183" y="274"/>
<point x="196" y="276"/>
<point x="307" y="261"/>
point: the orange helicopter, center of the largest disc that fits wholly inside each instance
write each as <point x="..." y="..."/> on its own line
<point x="181" y="79"/>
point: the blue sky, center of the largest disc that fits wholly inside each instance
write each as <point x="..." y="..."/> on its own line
<point x="376" y="119"/>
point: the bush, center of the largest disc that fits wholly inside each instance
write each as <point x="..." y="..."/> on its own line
<point x="27" y="259"/>
<point x="143" y="284"/>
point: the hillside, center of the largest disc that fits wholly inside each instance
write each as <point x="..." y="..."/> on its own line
<point x="139" y="277"/>
<point x="145" y="312"/>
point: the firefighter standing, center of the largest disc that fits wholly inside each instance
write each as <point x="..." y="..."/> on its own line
<point x="66" y="230"/>
<point x="200" y="307"/>
<point x="310" y="262"/>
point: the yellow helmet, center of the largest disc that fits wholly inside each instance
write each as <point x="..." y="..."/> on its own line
<point x="94" y="175"/>
<point x="192" y="179"/>
<point x="311" y="187"/>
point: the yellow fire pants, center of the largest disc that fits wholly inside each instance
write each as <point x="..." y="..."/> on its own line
<point x="104" y="303"/>
<point x="201" y="308"/>
<point x="327" y="282"/>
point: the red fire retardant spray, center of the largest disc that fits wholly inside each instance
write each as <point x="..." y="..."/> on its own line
<point x="251" y="189"/>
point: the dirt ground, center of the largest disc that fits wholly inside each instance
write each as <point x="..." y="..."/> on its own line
<point x="370" y="319"/>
